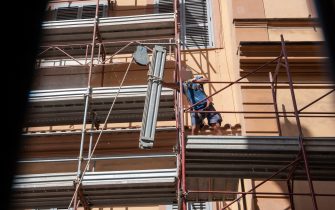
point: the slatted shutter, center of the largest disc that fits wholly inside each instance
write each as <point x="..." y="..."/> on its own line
<point x="196" y="22"/>
<point x="67" y="13"/>
<point x="165" y="6"/>
<point x="84" y="12"/>
<point x="199" y="206"/>
<point x="89" y="11"/>
<point x="171" y="207"/>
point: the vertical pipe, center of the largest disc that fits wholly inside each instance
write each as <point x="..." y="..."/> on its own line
<point x="178" y="138"/>
<point x="176" y="7"/>
<point x="93" y="43"/>
<point x="296" y="113"/>
<point x="275" y="104"/>
<point x="170" y="48"/>
<point x="90" y="145"/>
<point x="254" y="195"/>
<point x="83" y="132"/>
<point x="243" y="199"/>
<point x="103" y="54"/>
<point x="99" y="52"/>
<point x="87" y="96"/>
<point x="178" y="144"/>
<point x="290" y="190"/>
<point x="86" y="53"/>
<point x="102" y="75"/>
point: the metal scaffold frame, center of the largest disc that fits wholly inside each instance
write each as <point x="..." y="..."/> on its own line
<point x="282" y="61"/>
<point x="80" y="174"/>
<point x="181" y="146"/>
<point x="66" y="51"/>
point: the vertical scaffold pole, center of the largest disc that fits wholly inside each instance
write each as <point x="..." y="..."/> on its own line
<point x="296" y="113"/>
<point x="176" y="8"/>
<point x="87" y="98"/>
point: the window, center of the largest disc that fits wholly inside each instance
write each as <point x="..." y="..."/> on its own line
<point x="196" y="22"/>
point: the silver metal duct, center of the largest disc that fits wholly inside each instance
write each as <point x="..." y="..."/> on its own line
<point x="152" y="101"/>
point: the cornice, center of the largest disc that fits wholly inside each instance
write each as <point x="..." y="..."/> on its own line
<point x="277" y="22"/>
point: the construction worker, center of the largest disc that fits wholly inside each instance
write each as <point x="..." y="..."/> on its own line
<point x="196" y="96"/>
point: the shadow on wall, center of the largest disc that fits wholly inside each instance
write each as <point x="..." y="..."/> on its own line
<point x="202" y="66"/>
<point x="289" y="126"/>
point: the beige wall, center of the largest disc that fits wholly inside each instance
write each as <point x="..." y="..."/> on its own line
<point x="262" y="21"/>
<point x="211" y="64"/>
<point x="296" y="34"/>
<point x="248" y="9"/>
<point x="285" y="8"/>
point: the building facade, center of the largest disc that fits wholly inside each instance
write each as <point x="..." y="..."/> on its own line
<point x="268" y="77"/>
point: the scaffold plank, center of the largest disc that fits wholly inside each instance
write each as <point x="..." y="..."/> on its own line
<point x="258" y="156"/>
<point x="66" y="106"/>
<point x="109" y="187"/>
<point x="110" y="28"/>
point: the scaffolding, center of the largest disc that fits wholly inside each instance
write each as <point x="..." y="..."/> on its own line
<point x="298" y="157"/>
<point x="253" y="157"/>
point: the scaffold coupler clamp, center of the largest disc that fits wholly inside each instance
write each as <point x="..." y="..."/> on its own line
<point x="154" y="78"/>
<point x="88" y="92"/>
<point x="175" y="149"/>
<point x="76" y="181"/>
<point x="184" y="195"/>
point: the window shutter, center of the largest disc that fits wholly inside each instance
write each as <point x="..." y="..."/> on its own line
<point x="67" y="13"/>
<point x="199" y="206"/>
<point x="197" y="28"/>
<point x="165" y="6"/>
<point x="88" y="11"/>
<point x="83" y="12"/>
<point x="172" y="207"/>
